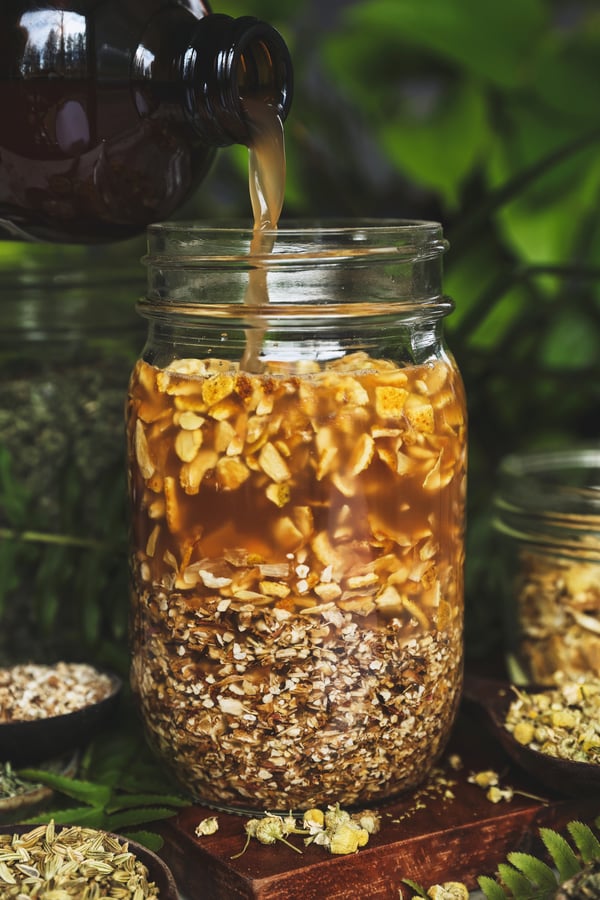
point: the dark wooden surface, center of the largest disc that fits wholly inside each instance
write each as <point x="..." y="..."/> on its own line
<point x="447" y="839"/>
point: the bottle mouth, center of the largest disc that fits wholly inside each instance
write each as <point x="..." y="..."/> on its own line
<point x="261" y="66"/>
<point x="248" y="64"/>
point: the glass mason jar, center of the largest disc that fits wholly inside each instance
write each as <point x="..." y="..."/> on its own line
<point x="296" y="433"/>
<point x="69" y="335"/>
<point x="547" y="514"/>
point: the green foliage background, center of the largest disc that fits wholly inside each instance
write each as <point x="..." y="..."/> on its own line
<point x="484" y="116"/>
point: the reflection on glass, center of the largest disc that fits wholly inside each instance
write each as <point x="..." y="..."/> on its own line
<point x="56" y="40"/>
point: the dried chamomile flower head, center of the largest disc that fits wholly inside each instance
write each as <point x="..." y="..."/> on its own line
<point x="335" y="829"/>
<point x="347" y="837"/>
<point x="484" y="779"/>
<point x="368" y="820"/>
<point x="313" y="819"/>
<point x="207" y="826"/>
<point x="336" y="816"/>
<point x="455" y="762"/>
<point x="563" y="721"/>
<point x="496" y="794"/>
<point x="450" y="890"/>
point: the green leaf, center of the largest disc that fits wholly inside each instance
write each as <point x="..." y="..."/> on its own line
<point x="128" y="801"/>
<point x="139" y="816"/>
<point x="585" y="840"/>
<point x="567" y="74"/>
<point x="492" y="40"/>
<point x="561" y="852"/>
<point x="440" y="149"/>
<point x="93" y="794"/>
<point x="519" y="885"/>
<point x="9" y="557"/>
<point x="13" y="498"/>
<point x="534" y="869"/>
<point x="491" y="889"/>
<point x="148" y="839"/>
<point x="76" y="815"/>
<point x="571" y="341"/>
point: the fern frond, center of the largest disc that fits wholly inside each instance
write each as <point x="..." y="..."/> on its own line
<point x="535" y="869"/>
<point x="491" y="889"/>
<point x="563" y="855"/>
<point x="518" y="884"/>
<point x="585" y="840"/>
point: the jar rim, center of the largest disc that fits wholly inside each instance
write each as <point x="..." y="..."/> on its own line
<point x="299" y="225"/>
<point x="200" y="243"/>
<point x="551" y="500"/>
<point x="557" y="480"/>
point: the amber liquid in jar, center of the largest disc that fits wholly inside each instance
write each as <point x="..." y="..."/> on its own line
<point x="297" y="566"/>
<point x="298" y="575"/>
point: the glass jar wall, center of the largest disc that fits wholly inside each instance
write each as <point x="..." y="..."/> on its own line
<point x="296" y="432"/>
<point x="547" y="514"/>
<point x="68" y="335"/>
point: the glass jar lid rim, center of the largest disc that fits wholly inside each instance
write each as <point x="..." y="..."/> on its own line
<point x="300" y="226"/>
<point x="552" y="481"/>
<point x="296" y="242"/>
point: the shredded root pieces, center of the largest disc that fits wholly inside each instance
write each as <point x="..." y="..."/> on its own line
<point x="32" y="691"/>
<point x="297" y="619"/>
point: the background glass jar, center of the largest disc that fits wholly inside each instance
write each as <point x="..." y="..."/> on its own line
<point x="297" y="475"/>
<point x="547" y="512"/>
<point x="69" y="335"/>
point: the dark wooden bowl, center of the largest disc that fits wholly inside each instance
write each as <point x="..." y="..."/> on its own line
<point x="158" y="871"/>
<point x="27" y="742"/>
<point x="563" y="776"/>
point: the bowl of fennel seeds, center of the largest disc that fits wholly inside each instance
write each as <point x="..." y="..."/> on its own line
<point x="81" y="863"/>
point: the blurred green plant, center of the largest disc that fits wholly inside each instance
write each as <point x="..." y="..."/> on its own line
<point x="68" y="338"/>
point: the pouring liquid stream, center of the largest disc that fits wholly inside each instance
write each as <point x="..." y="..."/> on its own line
<point x="266" y="176"/>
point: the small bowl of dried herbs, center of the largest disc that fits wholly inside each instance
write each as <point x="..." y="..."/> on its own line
<point x="20" y="797"/>
<point x="48" y="710"/>
<point x="551" y="731"/>
<point x="74" y="861"/>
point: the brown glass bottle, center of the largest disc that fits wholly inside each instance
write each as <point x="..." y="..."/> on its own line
<point x="112" y="111"/>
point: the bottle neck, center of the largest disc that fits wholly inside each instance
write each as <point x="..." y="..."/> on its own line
<point x="224" y="66"/>
<point x="228" y="64"/>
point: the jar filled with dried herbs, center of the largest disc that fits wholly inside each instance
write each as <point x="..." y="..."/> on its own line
<point x="547" y="514"/>
<point x="68" y="334"/>
<point x="297" y="478"/>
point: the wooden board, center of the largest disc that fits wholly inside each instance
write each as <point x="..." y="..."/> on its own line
<point x="447" y="838"/>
